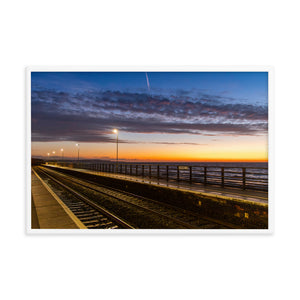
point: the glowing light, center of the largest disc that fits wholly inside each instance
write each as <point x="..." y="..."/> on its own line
<point x="77" y="145"/>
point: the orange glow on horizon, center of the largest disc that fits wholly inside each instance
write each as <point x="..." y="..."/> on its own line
<point x="158" y="159"/>
<point x="246" y="151"/>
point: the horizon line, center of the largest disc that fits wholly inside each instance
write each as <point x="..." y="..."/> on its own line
<point x="112" y="160"/>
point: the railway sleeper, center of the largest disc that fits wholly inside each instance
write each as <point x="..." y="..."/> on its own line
<point x="96" y="226"/>
<point x="89" y="218"/>
<point x="83" y="215"/>
<point x="88" y="222"/>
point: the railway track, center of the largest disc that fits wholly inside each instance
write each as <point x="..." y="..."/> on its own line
<point x="139" y="212"/>
<point x="90" y="214"/>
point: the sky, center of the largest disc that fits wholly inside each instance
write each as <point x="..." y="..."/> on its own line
<point x="160" y="116"/>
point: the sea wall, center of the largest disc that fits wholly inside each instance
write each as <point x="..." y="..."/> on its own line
<point x="243" y="214"/>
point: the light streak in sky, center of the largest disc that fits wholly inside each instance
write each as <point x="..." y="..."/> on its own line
<point x="148" y="84"/>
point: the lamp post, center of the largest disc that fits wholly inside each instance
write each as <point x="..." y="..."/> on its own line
<point x="48" y="155"/>
<point x="77" y="145"/>
<point x="117" y="156"/>
<point x="62" y="153"/>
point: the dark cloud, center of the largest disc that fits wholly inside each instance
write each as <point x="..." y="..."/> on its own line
<point x="90" y="116"/>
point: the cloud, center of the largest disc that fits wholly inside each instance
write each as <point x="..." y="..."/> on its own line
<point x="89" y="116"/>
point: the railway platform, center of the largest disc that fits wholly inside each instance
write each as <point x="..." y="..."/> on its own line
<point x="250" y="196"/>
<point x="47" y="210"/>
<point x="245" y="208"/>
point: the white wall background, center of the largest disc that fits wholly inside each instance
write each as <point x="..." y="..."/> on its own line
<point x="146" y="33"/>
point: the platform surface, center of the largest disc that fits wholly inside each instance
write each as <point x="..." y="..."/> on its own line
<point x="47" y="212"/>
<point x="235" y="193"/>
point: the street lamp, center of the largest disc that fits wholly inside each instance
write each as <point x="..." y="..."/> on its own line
<point x="62" y="153"/>
<point x="117" y="133"/>
<point x="77" y="145"/>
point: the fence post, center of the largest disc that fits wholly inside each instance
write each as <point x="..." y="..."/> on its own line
<point x="177" y="173"/>
<point x="125" y="169"/>
<point x="142" y="170"/>
<point x="149" y="171"/>
<point x="222" y="174"/>
<point x="157" y="171"/>
<point x="205" y="175"/>
<point x="130" y="169"/>
<point x="191" y="174"/>
<point x="136" y="170"/>
<point x="244" y="178"/>
<point x="167" y="169"/>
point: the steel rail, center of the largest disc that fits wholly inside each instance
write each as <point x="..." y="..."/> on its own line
<point x="102" y="210"/>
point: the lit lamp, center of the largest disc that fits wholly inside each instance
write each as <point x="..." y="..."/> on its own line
<point x="77" y="145"/>
<point x="117" y="141"/>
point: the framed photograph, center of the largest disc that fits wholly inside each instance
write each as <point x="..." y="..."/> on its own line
<point x="149" y="149"/>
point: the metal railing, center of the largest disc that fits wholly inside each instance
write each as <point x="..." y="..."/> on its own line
<point x="255" y="178"/>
